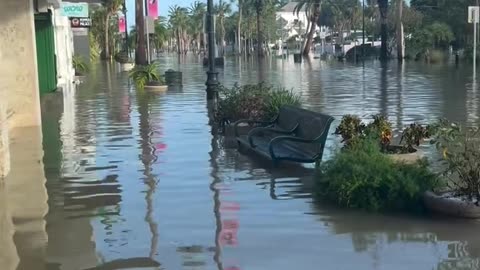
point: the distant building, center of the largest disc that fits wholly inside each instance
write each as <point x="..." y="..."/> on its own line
<point x="290" y="22"/>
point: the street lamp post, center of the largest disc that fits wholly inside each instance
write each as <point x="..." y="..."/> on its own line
<point x="212" y="81"/>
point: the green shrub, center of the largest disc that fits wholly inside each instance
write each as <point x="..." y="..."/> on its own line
<point x="253" y="101"/>
<point x="362" y="177"/>
<point x="79" y="64"/>
<point x="278" y="98"/>
<point x="142" y="75"/>
<point x="460" y="149"/>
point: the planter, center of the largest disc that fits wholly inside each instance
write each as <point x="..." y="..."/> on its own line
<point x="297" y="58"/>
<point x="407" y="157"/>
<point x="156" y="86"/>
<point x="445" y="203"/>
<point x="127" y="66"/>
<point x="173" y="77"/>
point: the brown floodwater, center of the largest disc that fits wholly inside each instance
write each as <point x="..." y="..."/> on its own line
<point x="139" y="180"/>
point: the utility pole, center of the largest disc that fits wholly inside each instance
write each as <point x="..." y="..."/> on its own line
<point x="363" y="30"/>
<point x="473" y="17"/>
<point x="212" y="81"/>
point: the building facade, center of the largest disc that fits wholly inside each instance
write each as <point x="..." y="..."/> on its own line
<point x="36" y="53"/>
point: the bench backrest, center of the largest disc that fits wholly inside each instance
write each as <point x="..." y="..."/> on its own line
<point x="288" y="117"/>
<point x="312" y="126"/>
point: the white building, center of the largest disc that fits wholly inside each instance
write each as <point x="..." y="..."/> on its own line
<point x="291" y="23"/>
<point x="63" y="49"/>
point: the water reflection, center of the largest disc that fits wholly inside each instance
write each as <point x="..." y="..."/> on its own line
<point x="148" y="158"/>
<point x="24" y="237"/>
<point x="138" y="180"/>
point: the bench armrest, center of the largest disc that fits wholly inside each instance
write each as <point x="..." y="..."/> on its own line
<point x="286" y="138"/>
<point x="246" y="121"/>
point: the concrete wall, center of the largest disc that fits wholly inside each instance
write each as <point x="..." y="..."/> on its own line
<point x="18" y="56"/>
<point x="19" y="94"/>
<point x="4" y="138"/>
<point x="63" y="49"/>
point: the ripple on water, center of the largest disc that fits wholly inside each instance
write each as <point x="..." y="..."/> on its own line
<point x="136" y="178"/>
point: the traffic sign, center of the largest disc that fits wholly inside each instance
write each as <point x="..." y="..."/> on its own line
<point x="473" y="14"/>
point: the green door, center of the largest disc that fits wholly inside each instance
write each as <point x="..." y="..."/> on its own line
<point x="47" y="70"/>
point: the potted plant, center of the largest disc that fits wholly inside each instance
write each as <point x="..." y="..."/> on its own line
<point x="460" y="151"/>
<point x="148" y="77"/>
<point x="351" y="129"/>
<point x="381" y="128"/>
<point x="80" y="66"/>
<point x="251" y="101"/>
<point x="413" y="135"/>
<point x="125" y="62"/>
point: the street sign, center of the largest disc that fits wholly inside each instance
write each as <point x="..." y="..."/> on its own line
<point x="78" y="10"/>
<point x="473" y="14"/>
<point x="80" y="22"/>
<point x="149" y="25"/>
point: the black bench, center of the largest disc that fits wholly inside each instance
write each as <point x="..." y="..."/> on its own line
<point x="296" y="135"/>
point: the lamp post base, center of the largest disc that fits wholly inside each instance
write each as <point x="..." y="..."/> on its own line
<point x="212" y="84"/>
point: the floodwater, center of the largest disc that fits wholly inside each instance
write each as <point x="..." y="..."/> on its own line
<point x="138" y="181"/>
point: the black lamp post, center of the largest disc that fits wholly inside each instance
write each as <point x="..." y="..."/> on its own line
<point x="124" y="10"/>
<point x="212" y="81"/>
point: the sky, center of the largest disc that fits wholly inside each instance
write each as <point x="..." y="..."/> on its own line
<point x="162" y="8"/>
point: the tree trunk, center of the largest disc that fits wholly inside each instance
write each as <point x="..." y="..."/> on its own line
<point x="383" y="7"/>
<point x="199" y="37"/>
<point x="313" y="27"/>
<point x="400" y="35"/>
<point x="222" y="27"/>
<point x="107" y="43"/>
<point x="140" y="53"/>
<point x="260" y="37"/>
<point x="239" y="29"/>
<point x="179" y="44"/>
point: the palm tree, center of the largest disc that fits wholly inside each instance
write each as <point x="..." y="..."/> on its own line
<point x="198" y="11"/>
<point x="179" y="21"/>
<point x="383" y="8"/>
<point x="249" y="25"/>
<point x="238" y="44"/>
<point x="259" y="10"/>
<point x="312" y="11"/>
<point x="222" y="9"/>
<point x="111" y="7"/>
<point x="132" y="38"/>
<point x="140" y="53"/>
<point x="161" y="34"/>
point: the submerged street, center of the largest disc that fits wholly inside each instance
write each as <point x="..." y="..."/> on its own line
<point x="138" y="180"/>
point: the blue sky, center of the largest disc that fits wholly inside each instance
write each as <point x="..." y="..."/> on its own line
<point x="162" y="8"/>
